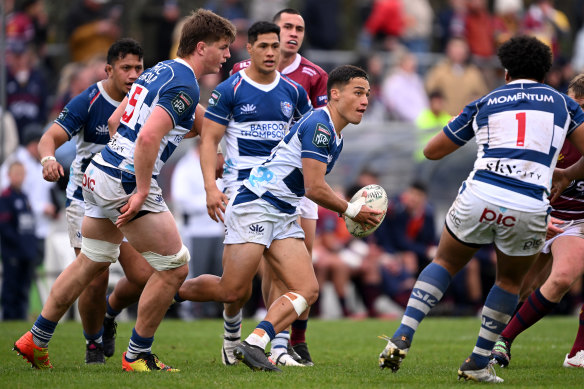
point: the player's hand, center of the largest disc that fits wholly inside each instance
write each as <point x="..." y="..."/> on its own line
<point x="52" y="171"/>
<point x="368" y="217"/>
<point x="130" y="209"/>
<point x="554" y="228"/>
<point x="559" y="183"/>
<point x="216" y="202"/>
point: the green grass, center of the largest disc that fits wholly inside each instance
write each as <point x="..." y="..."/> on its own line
<point x="345" y="353"/>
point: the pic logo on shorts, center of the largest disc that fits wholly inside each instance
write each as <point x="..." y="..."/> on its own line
<point x="256" y="229"/>
<point x="88" y="182"/>
<point x="489" y="216"/>
<point x="534" y="243"/>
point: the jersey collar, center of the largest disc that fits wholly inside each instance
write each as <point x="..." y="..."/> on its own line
<point x="182" y="61"/>
<point x="263" y="87"/>
<point x="106" y="96"/>
<point x="293" y="66"/>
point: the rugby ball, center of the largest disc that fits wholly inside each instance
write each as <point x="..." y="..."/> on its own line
<point x="374" y="197"/>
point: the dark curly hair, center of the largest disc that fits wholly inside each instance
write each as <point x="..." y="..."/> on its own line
<point x="525" y="57"/>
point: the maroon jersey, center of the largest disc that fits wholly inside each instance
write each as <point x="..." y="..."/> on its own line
<point x="570" y="204"/>
<point x="312" y="78"/>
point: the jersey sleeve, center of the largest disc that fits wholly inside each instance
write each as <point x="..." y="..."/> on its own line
<point x="180" y="101"/>
<point x="74" y="116"/>
<point x="576" y="114"/>
<point x="315" y="139"/>
<point x="318" y="93"/>
<point x="303" y="105"/>
<point x="460" y="130"/>
<point x="220" y="108"/>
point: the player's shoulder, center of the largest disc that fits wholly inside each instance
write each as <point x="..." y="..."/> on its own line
<point x="311" y="68"/>
<point x="239" y="66"/>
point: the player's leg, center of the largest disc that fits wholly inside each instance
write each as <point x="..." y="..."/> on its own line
<point x="299" y="326"/>
<point x="452" y="255"/>
<point x="91" y="305"/>
<point x="156" y="237"/>
<point x="575" y="358"/>
<point x="567" y="267"/>
<point x="100" y="247"/>
<point x="499" y="306"/>
<point x="291" y="264"/>
<point x="534" y="278"/>
<point x="126" y="292"/>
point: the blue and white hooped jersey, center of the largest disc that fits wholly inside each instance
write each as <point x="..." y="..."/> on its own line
<point x="519" y="129"/>
<point x="84" y="119"/>
<point x="279" y="180"/>
<point x="171" y="85"/>
<point x="256" y="117"/>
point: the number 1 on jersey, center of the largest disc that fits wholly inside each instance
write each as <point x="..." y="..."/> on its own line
<point x="520" y="116"/>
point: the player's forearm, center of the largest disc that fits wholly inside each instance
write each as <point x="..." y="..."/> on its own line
<point x="209" y="161"/>
<point x="576" y="171"/>
<point x="144" y="158"/>
<point x="322" y="194"/>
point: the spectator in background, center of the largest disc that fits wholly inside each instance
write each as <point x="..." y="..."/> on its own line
<point x="408" y="230"/>
<point x="418" y="17"/>
<point x="429" y="122"/>
<point x="17" y="245"/>
<point x="329" y="251"/>
<point x="36" y="189"/>
<point x="547" y="24"/>
<point x="26" y="88"/>
<point x="450" y="23"/>
<point x="459" y="81"/>
<point x="158" y="19"/>
<point x="202" y="236"/>
<point x="403" y="91"/>
<point x="479" y="32"/>
<point x="92" y="27"/>
<point x="29" y="24"/>
<point x="9" y="135"/>
<point x="385" y="24"/>
<point x="507" y="20"/>
<point x="323" y="17"/>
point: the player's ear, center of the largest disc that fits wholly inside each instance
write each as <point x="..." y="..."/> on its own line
<point x="248" y="47"/>
<point x="335" y="93"/>
<point x="200" y="48"/>
<point x="108" y="69"/>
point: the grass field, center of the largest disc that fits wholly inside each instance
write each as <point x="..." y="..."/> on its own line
<point x="345" y="353"/>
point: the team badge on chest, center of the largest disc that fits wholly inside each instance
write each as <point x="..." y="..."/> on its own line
<point x="286" y="108"/>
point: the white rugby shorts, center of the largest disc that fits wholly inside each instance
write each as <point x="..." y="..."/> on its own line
<point x="308" y="209"/>
<point x="571" y="228"/>
<point x="259" y="222"/>
<point x="75" y="212"/>
<point x="478" y="222"/>
<point x="104" y="195"/>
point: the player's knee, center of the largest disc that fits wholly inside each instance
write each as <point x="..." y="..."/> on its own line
<point x="562" y="281"/>
<point x="168" y="262"/>
<point x="299" y="302"/>
<point x="100" y="250"/>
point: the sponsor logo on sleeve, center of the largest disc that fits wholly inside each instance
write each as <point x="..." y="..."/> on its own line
<point x="63" y="114"/>
<point x="214" y="99"/>
<point x="322" y="136"/>
<point x="322" y="100"/>
<point x="181" y="103"/>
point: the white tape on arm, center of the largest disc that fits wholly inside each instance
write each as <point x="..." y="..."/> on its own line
<point x="353" y="209"/>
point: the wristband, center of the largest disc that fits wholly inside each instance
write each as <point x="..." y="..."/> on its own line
<point x="47" y="158"/>
<point x="353" y="209"/>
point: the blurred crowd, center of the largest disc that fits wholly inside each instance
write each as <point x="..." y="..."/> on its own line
<point x="426" y="59"/>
